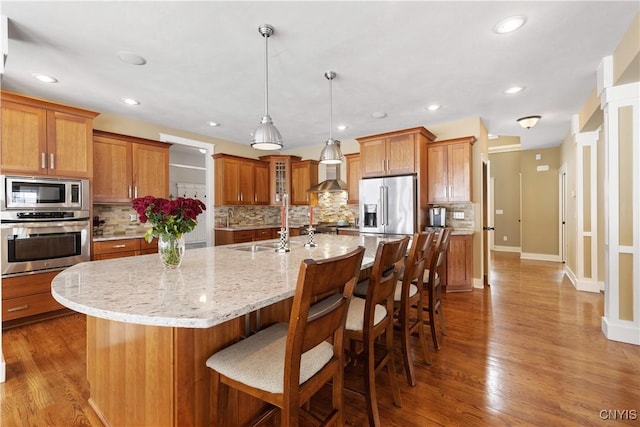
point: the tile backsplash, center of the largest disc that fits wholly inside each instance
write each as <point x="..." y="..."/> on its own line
<point x="466" y="209"/>
<point x="332" y="207"/>
<point x="117" y="220"/>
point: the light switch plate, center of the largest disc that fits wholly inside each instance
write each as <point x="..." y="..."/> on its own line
<point x="458" y="215"/>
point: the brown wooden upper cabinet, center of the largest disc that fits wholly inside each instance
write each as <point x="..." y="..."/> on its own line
<point x="129" y="167"/>
<point x="240" y="181"/>
<point x="393" y="153"/>
<point x="44" y="138"/>
<point x="449" y="169"/>
<point x="279" y="176"/>
<point x="304" y="175"/>
<point x="353" y="177"/>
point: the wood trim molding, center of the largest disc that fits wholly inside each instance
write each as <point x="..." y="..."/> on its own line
<point x="49" y="105"/>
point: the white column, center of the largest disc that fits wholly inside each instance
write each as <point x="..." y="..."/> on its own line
<point x="621" y="105"/>
<point x="587" y="226"/>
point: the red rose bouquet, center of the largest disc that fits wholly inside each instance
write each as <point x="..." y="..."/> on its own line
<point x="173" y="217"/>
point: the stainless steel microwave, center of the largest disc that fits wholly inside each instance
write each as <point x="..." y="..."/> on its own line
<point x="28" y="193"/>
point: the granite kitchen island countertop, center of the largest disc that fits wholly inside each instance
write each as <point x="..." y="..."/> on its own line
<point x="212" y="285"/>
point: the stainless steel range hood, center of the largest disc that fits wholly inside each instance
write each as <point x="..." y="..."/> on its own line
<point x="333" y="183"/>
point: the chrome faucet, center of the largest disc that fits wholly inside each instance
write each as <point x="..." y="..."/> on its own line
<point x="229" y="215"/>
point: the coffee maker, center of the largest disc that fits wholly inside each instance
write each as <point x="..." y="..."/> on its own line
<point x="437" y="217"/>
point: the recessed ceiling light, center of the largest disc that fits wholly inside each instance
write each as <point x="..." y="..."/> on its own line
<point x="213" y="124"/>
<point x="131" y="58"/>
<point x="342" y="127"/>
<point x="510" y="24"/>
<point x="44" y="78"/>
<point x="379" y="115"/>
<point x="433" y="107"/>
<point x="130" y="101"/>
<point x="514" y="89"/>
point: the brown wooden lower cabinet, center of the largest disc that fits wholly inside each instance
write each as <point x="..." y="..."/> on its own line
<point x="459" y="276"/>
<point x="348" y="232"/>
<point x="228" y="237"/>
<point x="156" y="375"/>
<point x="24" y="297"/>
<point x="109" y="249"/>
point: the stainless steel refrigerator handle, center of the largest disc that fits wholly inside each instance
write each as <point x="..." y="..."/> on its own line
<point x="382" y="205"/>
<point x="386" y="205"/>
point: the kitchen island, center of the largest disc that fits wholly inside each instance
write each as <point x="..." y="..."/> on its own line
<point x="150" y="330"/>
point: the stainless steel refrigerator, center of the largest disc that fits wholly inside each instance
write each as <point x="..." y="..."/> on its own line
<point x="388" y="205"/>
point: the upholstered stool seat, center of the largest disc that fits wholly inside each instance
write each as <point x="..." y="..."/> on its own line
<point x="258" y="361"/>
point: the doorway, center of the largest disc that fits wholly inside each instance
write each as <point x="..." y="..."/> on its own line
<point x="191" y="175"/>
<point x="563" y="213"/>
<point x="487" y="220"/>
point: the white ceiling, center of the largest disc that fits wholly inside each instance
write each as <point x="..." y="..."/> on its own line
<point x="205" y="61"/>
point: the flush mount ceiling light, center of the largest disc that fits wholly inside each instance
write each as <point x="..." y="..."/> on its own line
<point x="266" y="136"/>
<point x="433" y="107"/>
<point x="331" y="153"/>
<point x="514" y="89"/>
<point x="509" y="24"/>
<point x="529" y="121"/>
<point x="44" y="78"/>
<point x="379" y="115"/>
<point x="130" y="101"/>
<point x="343" y="127"/>
<point x="213" y="124"/>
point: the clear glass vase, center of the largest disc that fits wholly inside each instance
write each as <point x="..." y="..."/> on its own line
<point x="171" y="250"/>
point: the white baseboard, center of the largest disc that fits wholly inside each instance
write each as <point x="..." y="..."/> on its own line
<point x="570" y="275"/>
<point x="507" y="248"/>
<point x="588" y="285"/>
<point x="621" y="331"/>
<point x="540" y="257"/>
<point x="478" y="283"/>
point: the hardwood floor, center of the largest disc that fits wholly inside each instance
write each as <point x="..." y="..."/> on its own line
<point x="529" y="350"/>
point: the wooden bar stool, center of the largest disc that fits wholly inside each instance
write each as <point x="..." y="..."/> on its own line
<point x="372" y="317"/>
<point x="408" y="301"/>
<point x="286" y="364"/>
<point x="432" y="285"/>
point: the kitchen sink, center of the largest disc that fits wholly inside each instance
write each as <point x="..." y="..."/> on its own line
<point x="251" y="248"/>
<point x="265" y="246"/>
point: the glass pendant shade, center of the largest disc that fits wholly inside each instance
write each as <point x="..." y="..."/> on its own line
<point x="331" y="153"/>
<point x="266" y="136"/>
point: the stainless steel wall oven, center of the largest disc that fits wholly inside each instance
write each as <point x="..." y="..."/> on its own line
<point x="44" y="223"/>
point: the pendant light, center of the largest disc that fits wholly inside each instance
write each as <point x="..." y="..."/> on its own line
<point x="266" y="136"/>
<point x="331" y="153"/>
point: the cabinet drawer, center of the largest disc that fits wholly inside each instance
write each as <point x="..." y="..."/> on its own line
<point x="263" y="234"/>
<point x="111" y="246"/>
<point x="149" y="248"/>
<point x="30" y="284"/>
<point x="243" y="236"/>
<point x="16" y="308"/>
<point x="113" y="255"/>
